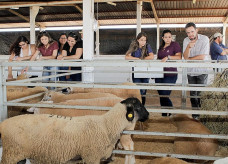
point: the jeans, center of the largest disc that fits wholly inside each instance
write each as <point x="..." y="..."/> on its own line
<point x="140" y="80"/>
<point x="201" y="79"/>
<point x="77" y="76"/>
<point x="63" y="78"/>
<point x="165" y="101"/>
<point x="48" y="68"/>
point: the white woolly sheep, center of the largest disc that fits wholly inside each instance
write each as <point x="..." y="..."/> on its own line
<point x="167" y="160"/>
<point x="58" y="97"/>
<point x="57" y="139"/>
<point x="125" y="140"/>
<point x="102" y="101"/>
<point x="194" y="146"/>
<point x="123" y="93"/>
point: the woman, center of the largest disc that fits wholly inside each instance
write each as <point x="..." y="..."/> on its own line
<point x="169" y="50"/>
<point x="62" y="41"/>
<point x="72" y="50"/>
<point x="19" y="51"/>
<point x="140" y="49"/>
<point x="48" y="49"/>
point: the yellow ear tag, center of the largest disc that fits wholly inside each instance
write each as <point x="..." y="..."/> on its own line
<point x="130" y="115"/>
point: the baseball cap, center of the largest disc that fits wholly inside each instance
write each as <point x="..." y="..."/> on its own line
<point x="217" y="34"/>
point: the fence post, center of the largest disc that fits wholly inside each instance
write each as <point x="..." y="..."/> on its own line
<point x="184" y="84"/>
<point x="3" y="107"/>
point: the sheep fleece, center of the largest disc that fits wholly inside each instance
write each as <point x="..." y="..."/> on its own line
<point x="57" y="139"/>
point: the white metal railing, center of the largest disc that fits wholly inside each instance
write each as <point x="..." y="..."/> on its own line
<point x="120" y="63"/>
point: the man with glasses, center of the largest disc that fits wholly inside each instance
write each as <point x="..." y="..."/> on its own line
<point x="195" y="47"/>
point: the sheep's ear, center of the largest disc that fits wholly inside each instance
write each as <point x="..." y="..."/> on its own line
<point x="130" y="113"/>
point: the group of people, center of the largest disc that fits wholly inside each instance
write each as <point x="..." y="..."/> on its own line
<point x="195" y="47"/>
<point x="68" y="47"/>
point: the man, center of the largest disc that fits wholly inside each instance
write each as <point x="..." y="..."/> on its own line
<point x="217" y="49"/>
<point x="195" y="47"/>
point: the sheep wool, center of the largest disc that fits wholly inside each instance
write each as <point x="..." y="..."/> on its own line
<point x="57" y="139"/>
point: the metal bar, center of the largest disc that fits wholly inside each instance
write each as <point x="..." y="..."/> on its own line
<point x="188" y="135"/>
<point x="139" y="153"/>
<point x="26" y="98"/>
<point x="120" y="63"/>
<point x="148" y="86"/>
<point x="181" y="111"/>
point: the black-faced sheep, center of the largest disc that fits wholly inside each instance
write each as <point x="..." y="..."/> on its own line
<point x="55" y="139"/>
<point x="193" y="146"/>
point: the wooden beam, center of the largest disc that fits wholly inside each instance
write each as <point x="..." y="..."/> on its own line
<point x="154" y="11"/>
<point x="78" y="8"/>
<point x="217" y="8"/>
<point x="25" y="18"/>
<point x="29" y="4"/>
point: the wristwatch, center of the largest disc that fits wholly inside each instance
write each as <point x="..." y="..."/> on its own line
<point x="168" y="57"/>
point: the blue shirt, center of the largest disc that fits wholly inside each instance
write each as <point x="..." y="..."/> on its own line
<point x="138" y="52"/>
<point x="216" y="50"/>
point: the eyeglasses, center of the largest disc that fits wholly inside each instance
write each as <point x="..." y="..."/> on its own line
<point x="21" y="45"/>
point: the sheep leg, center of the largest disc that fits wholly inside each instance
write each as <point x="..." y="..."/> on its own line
<point x="128" y="144"/>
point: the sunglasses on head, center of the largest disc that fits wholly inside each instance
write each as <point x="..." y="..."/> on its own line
<point x="43" y="32"/>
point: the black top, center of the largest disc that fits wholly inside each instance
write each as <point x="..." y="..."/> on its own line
<point x="66" y="47"/>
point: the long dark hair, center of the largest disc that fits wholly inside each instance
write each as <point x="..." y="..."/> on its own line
<point x="15" y="48"/>
<point x="41" y="34"/>
<point x="73" y="35"/>
<point x="163" y="42"/>
<point x="60" y="47"/>
<point x="135" y="45"/>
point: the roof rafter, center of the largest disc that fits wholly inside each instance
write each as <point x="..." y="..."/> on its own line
<point x="154" y="11"/>
<point x="25" y="18"/>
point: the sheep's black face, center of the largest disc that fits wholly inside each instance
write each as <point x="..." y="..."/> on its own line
<point x="135" y="106"/>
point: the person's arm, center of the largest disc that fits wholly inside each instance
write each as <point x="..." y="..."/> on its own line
<point x="129" y="57"/>
<point x="77" y="54"/>
<point x="177" y="56"/>
<point x="32" y="59"/>
<point x="53" y="56"/>
<point x="10" y="74"/>
<point x="64" y="53"/>
<point x="150" y="56"/>
<point x="224" y="52"/>
<point x="188" y="49"/>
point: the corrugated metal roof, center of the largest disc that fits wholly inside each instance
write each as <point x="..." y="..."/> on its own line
<point x="169" y="11"/>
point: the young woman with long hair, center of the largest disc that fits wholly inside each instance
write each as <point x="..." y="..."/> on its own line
<point x="140" y="50"/>
<point x="20" y="50"/>
<point x="169" y="50"/>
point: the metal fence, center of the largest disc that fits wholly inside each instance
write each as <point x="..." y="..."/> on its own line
<point x="183" y="86"/>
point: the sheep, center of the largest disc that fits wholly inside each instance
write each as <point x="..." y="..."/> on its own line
<point x="123" y="93"/>
<point x="57" y="139"/>
<point x="193" y="146"/>
<point x="58" y="97"/>
<point x="221" y="161"/>
<point x="125" y="140"/>
<point x="167" y="160"/>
